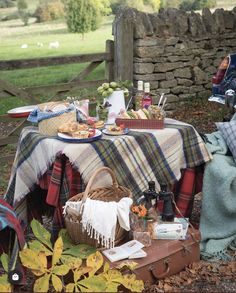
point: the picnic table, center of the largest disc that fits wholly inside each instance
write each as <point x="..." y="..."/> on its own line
<point x="51" y="170"/>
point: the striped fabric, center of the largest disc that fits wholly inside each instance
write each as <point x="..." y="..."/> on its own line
<point x="136" y="158"/>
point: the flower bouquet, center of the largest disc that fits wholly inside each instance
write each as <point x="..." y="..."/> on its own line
<point x="138" y="222"/>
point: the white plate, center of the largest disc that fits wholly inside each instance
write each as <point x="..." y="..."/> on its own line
<point x="21" y="111"/>
<point x="105" y="131"/>
<point x="68" y="138"/>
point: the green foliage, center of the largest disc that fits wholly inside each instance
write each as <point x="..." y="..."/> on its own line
<point x="83" y="16"/>
<point x="22" y="8"/>
<point x="189" y="5"/>
<point x="6" y="3"/>
<point x="170" y="3"/>
<point x="5" y="286"/>
<point x="155" y="4"/>
<point x="48" y="10"/>
<point x="116" y="4"/>
<point x="92" y="276"/>
<point x="142" y="5"/>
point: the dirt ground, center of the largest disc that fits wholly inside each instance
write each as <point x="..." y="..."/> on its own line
<point x="202" y="276"/>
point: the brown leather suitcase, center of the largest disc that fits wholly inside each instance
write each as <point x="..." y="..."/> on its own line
<point x="167" y="257"/>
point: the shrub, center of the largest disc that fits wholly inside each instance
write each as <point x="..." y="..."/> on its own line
<point x="188" y="5"/>
<point x="49" y="10"/>
<point x="6" y="3"/>
<point x="82" y="16"/>
<point x="22" y="11"/>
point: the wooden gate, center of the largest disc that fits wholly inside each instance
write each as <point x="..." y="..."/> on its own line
<point x="27" y="94"/>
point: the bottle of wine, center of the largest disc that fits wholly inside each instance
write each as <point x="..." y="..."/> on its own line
<point x="147" y="99"/>
<point x="138" y="96"/>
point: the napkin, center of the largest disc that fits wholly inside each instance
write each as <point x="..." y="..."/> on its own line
<point x="37" y="115"/>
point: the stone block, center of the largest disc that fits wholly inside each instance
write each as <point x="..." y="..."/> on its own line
<point x="180" y="90"/>
<point x="148" y="42"/>
<point x="168" y="83"/>
<point x="184" y="82"/>
<point x="183" y="73"/>
<point x="148" y="52"/>
<point x="159" y="91"/>
<point x="164" y="67"/>
<point x="150" y="77"/>
<point x="143" y="68"/>
<point x="169" y="75"/>
<point x="183" y="97"/>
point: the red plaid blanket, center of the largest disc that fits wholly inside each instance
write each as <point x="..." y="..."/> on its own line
<point x="62" y="181"/>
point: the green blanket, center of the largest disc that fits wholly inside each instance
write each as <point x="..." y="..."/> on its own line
<point x="218" y="215"/>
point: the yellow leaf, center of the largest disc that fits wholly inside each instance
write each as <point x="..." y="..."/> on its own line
<point x="57" y="284"/>
<point x="42" y="284"/>
<point x="80" y="272"/>
<point x="72" y="262"/>
<point x="113" y="275"/>
<point x="112" y="287"/>
<point x="70" y="287"/>
<point x="130" y="282"/>
<point x="95" y="261"/>
<point x="4" y="260"/>
<point x="41" y="233"/>
<point x="33" y="260"/>
<point x="57" y="251"/>
<point x="5" y="286"/>
<point x="106" y="267"/>
<point x="61" y="270"/>
<point x="38" y="246"/>
<point x="37" y="273"/>
<point x="128" y="264"/>
<point x="93" y="284"/>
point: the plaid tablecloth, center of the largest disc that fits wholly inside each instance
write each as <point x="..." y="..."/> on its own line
<point x="136" y="158"/>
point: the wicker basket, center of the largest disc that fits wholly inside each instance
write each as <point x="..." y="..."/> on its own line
<point x="113" y="192"/>
<point x="50" y="126"/>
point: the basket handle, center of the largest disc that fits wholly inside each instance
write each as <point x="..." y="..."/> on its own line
<point x="91" y="180"/>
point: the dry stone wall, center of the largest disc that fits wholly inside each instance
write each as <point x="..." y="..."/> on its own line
<point x="178" y="52"/>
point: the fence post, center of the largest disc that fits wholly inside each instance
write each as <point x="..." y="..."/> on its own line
<point x="123" y="45"/>
<point x="109" y="64"/>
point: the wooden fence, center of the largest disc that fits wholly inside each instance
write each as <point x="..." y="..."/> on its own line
<point x="27" y="93"/>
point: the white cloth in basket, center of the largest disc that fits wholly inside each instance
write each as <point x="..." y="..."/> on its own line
<point x="99" y="218"/>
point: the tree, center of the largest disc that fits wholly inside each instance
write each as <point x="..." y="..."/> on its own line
<point x="170" y="3"/>
<point x="82" y="16"/>
<point x="155" y="4"/>
<point x="188" y="5"/>
<point x="22" y="7"/>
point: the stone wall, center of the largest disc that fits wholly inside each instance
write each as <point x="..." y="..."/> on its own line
<point x="178" y="52"/>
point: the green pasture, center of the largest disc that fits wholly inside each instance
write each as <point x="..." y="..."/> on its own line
<point x="14" y="35"/>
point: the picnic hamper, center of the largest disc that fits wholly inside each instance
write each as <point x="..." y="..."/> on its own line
<point x="49" y="126"/>
<point x="114" y="192"/>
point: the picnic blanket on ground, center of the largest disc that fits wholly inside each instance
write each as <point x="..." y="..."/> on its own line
<point x="218" y="214"/>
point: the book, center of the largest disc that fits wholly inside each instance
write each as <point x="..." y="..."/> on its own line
<point x="139" y="254"/>
<point x="123" y="251"/>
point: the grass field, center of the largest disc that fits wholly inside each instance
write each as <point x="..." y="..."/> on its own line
<point x="13" y="35"/>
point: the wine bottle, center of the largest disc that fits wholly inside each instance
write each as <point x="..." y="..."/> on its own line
<point x="147" y="99"/>
<point x="138" y="96"/>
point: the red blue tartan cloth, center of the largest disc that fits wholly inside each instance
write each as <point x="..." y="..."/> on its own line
<point x="62" y="181"/>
